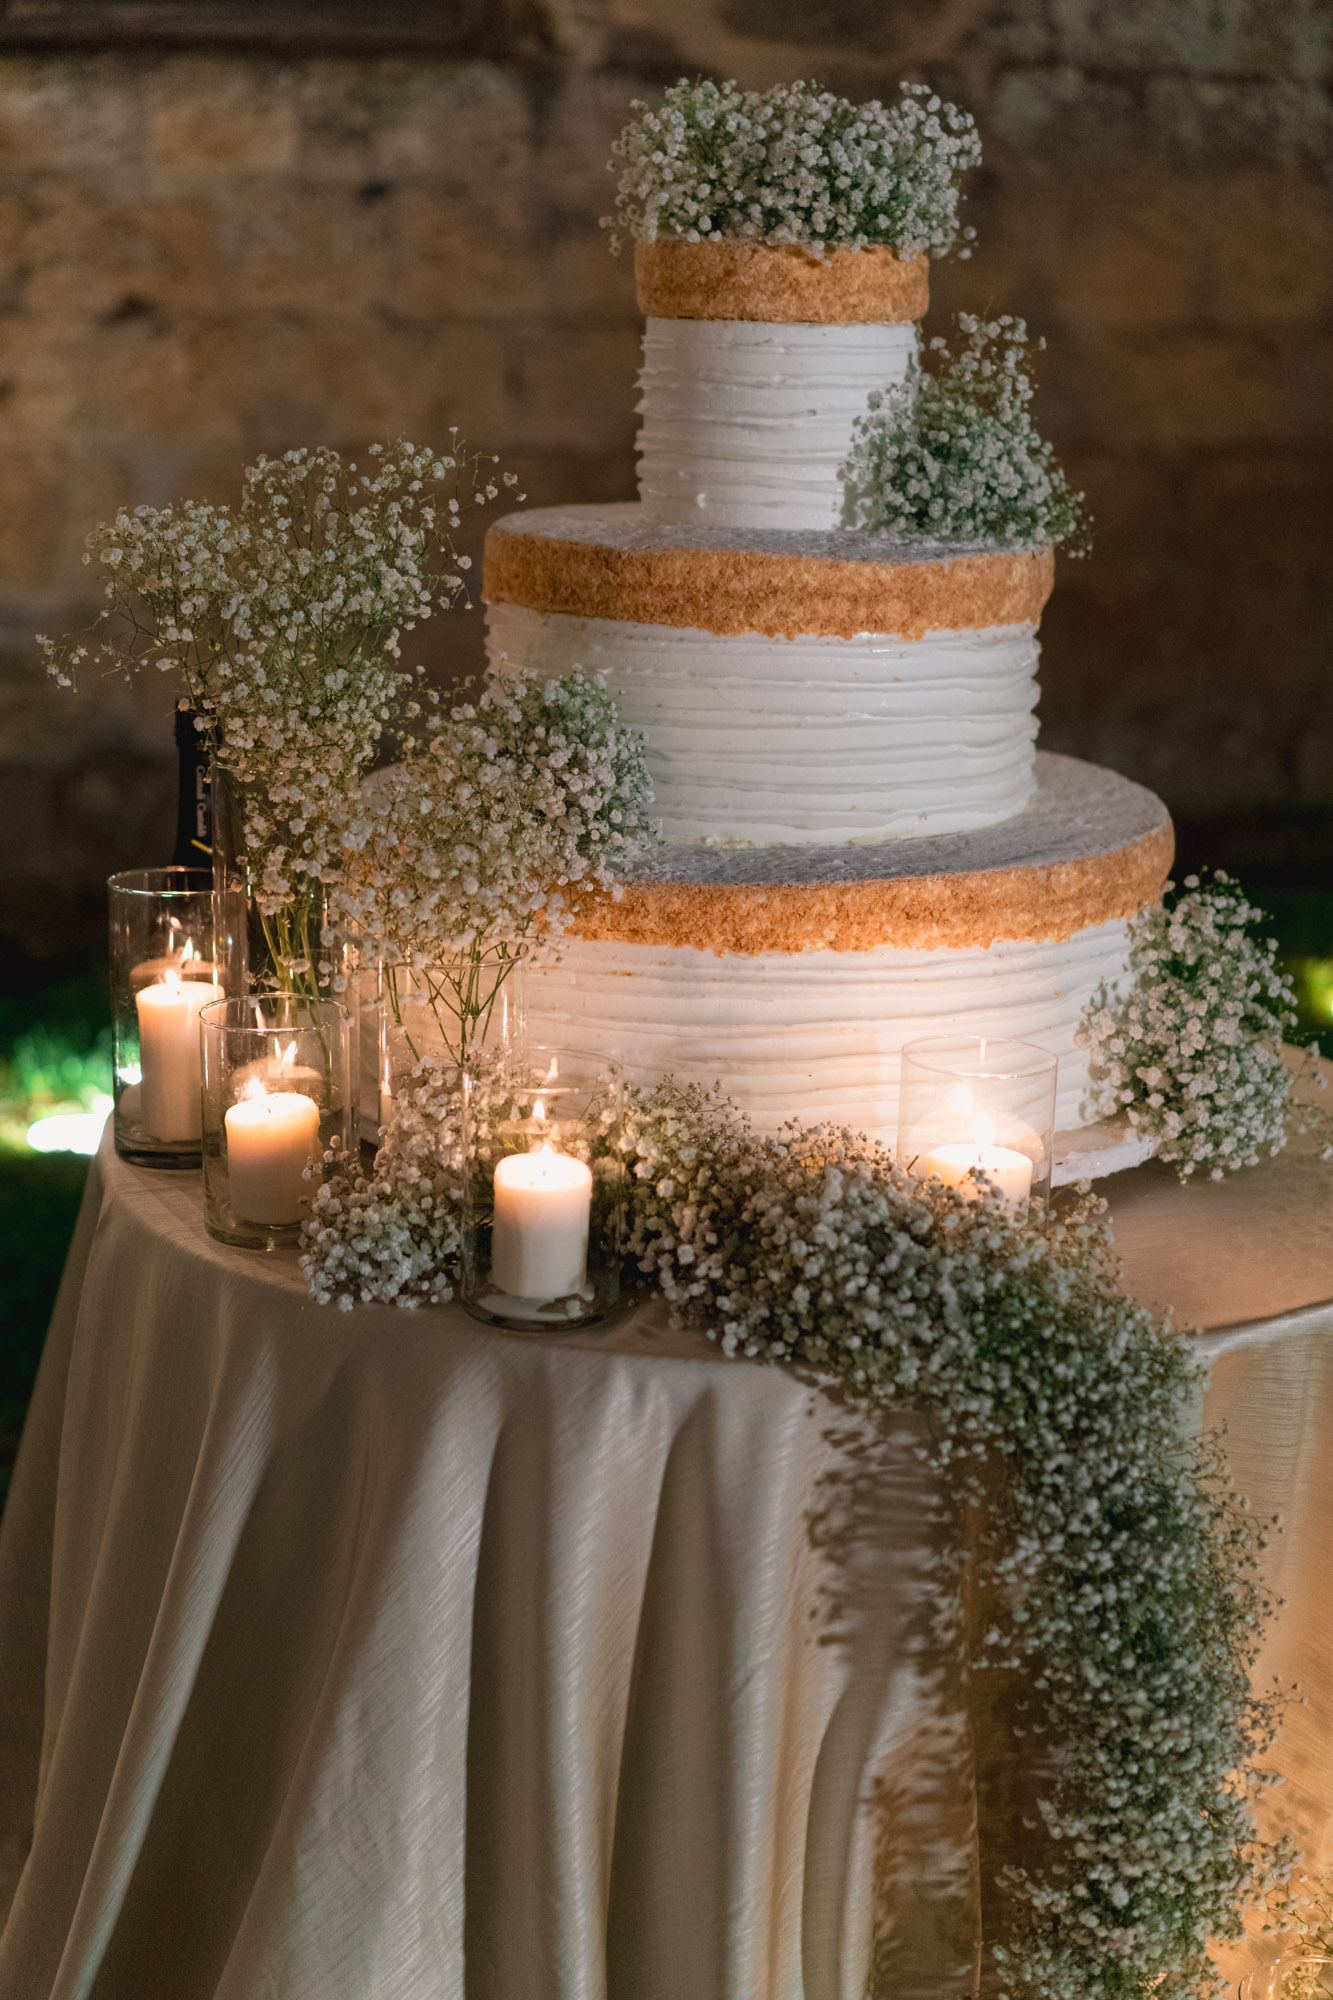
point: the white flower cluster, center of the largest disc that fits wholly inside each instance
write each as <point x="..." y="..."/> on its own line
<point x="485" y="841"/>
<point x="394" y="1237"/>
<point x="793" y="165"/>
<point x="283" y="619"/>
<point x="952" y="451"/>
<point x="1129" y="1569"/>
<point x="1191" y="1054"/>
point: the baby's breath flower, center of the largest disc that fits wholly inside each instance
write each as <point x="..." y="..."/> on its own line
<point x="485" y="842"/>
<point x="1123" y="1566"/>
<point x="284" y="620"/>
<point x="951" y="452"/>
<point x="1191" y="1052"/>
<point x="793" y="165"/>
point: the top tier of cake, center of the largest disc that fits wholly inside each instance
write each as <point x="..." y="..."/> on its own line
<point x="757" y="362"/>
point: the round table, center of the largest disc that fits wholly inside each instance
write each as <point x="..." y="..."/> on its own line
<point x="385" y="1654"/>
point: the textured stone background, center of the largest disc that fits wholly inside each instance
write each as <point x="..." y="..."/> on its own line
<point x="208" y="255"/>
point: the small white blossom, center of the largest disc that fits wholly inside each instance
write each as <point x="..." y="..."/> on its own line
<point x="952" y="452"/>
<point x="793" y="165"/>
<point x="1191" y="1053"/>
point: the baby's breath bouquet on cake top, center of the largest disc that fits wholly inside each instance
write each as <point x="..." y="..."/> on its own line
<point x="281" y="621"/>
<point x="793" y="165"/>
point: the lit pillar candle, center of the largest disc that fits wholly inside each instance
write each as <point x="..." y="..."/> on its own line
<point x="272" y="1138"/>
<point x="539" y="1245"/>
<point x="169" y="1055"/>
<point x="1009" y="1171"/>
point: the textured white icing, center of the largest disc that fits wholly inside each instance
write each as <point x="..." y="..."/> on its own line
<point x="765" y="740"/>
<point x="1077" y="812"/>
<point x="817" y="1036"/>
<point x="747" y="424"/>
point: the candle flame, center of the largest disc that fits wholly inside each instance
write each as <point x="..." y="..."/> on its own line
<point x="188" y="953"/>
<point x="539" y="1111"/>
<point x="287" y="1060"/>
<point x="983" y="1132"/>
<point x="252" y="1088"/>
<point x="171" y="979"/>
<point x="962" y="1098"/>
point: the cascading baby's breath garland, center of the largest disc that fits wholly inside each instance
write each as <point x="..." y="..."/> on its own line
<point x="1131" y="1560"/>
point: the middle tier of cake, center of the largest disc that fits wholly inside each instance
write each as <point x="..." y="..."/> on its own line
<point x="790" y="688"/>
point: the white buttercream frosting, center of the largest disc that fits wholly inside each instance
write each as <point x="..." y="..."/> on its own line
<point x="747" y="424"/>
<point x="817" y="1036"/>
<point x="762" y="741"/>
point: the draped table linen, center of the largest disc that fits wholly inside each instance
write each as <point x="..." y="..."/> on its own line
<point x="386" y="1654"/>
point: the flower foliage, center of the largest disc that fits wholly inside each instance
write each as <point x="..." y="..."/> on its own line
<point x="1191" y="1053"/>
<point x="283" y="620"/>
<point x="1130" y="1561"/>
<point x="793" y="165"/>
<point x="485" y="842"/>
<point x="394" y="1236"/>
<point x="952" y="451"/>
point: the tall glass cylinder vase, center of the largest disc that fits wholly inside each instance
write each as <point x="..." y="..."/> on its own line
<point x="166" y="966"/>
<point x="422" y="1012"/>
<point x="284" y="947"/>
<point x="287" y="949"/>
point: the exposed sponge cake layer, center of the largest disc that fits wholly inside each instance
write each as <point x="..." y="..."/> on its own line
<point x="617" y="562"/>
<point x="763" y="281"/>
<point x="1091" y="848"/>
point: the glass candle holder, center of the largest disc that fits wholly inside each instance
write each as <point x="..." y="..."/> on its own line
<point x="418" y="1016"/>
<point x="165" y="969"/>
<point x="979" y="1106"/>
<point x="543" y="1189"/>
<point x="276" y="1096"/>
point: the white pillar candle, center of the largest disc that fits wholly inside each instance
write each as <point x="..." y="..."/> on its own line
<point x="184" y="963"/>
<point x="271" y="1140"/>
<point x="169" y="1055"/>
<point x="539" y="1245"/>
<point x="1009" y="1171"/>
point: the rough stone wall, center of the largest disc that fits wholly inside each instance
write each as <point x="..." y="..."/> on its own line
<point x="206" y="256"/>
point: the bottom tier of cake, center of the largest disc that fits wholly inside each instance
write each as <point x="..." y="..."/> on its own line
<point x="817" y="1035"/>
<point x="793" y="977"/>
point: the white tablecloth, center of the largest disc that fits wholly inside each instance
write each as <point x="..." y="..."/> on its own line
<point x="391" y="1657"/>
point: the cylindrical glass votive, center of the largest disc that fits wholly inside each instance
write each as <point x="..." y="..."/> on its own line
<point x="277" y="1095"/>
<point x="974" y="1107"/>
<point x="419" y="1016"/>
<point x="544" y="1189"/>
<point x="164" y="970"/>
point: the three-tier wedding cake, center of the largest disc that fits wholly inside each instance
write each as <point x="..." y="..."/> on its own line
<point x="862" y="845"/>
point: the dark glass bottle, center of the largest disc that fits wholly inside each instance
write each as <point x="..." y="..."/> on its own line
<point x="194" y="813"/>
